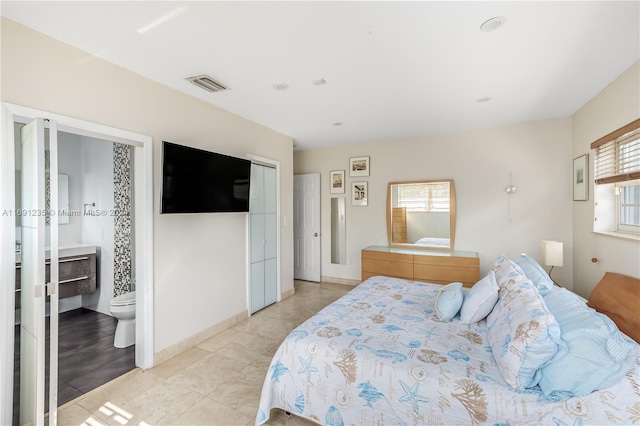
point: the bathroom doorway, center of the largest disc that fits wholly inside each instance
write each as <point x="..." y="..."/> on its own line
<point x="140" y="147"/>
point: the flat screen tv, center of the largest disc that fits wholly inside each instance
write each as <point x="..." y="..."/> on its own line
<point x="198" y="181"/>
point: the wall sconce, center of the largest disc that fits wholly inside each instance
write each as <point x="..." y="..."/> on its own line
<point x="552" y="255"/>
<point x="510" y="190"/>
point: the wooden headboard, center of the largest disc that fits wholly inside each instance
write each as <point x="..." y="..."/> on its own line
<point x="618" y="297"/>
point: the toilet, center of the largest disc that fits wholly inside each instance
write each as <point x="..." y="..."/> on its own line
<point x="123" y="307"/>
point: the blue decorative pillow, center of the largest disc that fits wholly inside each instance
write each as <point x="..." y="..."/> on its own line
<point x="480" y="300"/>
<point x="598" y="357"/>
<point x="449" y="301"/>
<point x="535" y="273"/>
<point x="523" y="334"/>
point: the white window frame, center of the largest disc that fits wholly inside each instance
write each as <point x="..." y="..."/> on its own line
<point x="620" y="227"/>
<point x="613" y="171"/>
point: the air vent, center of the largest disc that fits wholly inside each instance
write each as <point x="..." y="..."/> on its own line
<point x="207" y="83"/>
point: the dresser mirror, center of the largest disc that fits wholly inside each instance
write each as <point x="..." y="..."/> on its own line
<point x="421" y="214"/>
<point x="338" y="231"/>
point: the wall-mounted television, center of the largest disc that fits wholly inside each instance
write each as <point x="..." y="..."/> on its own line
<point x="199" y="181"/>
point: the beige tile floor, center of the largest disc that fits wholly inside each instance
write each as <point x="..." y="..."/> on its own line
<point x="216" y="383"/>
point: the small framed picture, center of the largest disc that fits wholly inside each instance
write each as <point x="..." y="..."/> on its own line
<point x="337" y="181"/>
<point x="359" y="193"/>
<point x="359" y="166"/>
<point x="581" y="178"/>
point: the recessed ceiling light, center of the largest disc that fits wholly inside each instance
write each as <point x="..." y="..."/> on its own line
<point x="493" y="24"/>
<point x="484" y="99"/>
<point x="281" y="86"/>
<point x="338" y="123"/>
<point x="319" y="82"/>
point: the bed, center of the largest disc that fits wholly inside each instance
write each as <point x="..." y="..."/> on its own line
<point x="378" y="355"/>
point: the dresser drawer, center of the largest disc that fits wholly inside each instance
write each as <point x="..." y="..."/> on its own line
<point x="390" y="269"/>
<point x="388" y="264"/>
<point x="389" y="257"/>
<point x="456" y="262"/>
<point x="445" y="274"/>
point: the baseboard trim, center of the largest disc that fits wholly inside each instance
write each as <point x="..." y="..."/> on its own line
<point x="343" y="281"/>
<point x="287" y="294"/>
<point x="190" y="342"/>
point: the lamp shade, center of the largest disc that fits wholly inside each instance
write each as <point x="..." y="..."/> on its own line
<point x="552" y="253"/>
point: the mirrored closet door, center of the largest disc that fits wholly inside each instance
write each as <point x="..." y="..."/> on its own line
<point x="264" y="244"/>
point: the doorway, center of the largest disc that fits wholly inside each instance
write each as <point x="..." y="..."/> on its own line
<point x="306" y="227"/>
<point x="143" y="170"/>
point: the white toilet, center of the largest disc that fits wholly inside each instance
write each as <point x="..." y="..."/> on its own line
<point x="123" y="307"/>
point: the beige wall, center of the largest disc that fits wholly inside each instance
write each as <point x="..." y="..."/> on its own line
<point x="200" y="260"/>
<point x="618" y="104"/>
<point x="538" y="154"/>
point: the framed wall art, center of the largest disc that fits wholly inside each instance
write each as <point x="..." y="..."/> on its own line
<point x="336" y="181"/>
<point x="359" y="166"/>
<point x="359" y="193"/>
<point x="581" y="178"/>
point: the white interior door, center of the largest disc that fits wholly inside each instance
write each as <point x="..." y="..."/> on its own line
<point x="306" y="231"/>
<point x="264" y="244"/>
<point x="38" y="173"/>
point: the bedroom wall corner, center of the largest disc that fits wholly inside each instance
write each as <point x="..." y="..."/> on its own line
<point x="199" y="263"/>
<point x="537" y="154"/>
<point x="616" y="105"/>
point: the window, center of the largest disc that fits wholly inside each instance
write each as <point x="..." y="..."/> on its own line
<point x="617" y="172"/>
<point x="629" y="208"/>
<point x="421" y="197"/>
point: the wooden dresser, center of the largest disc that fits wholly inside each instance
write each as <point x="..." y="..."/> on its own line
<point x="440" y="267"/>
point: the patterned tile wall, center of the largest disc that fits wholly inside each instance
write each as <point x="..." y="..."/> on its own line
<point x="122" y="192"/>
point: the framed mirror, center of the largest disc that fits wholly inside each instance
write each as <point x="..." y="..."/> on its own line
<point x="338" y="231"/>
<point x="421" y="214"/>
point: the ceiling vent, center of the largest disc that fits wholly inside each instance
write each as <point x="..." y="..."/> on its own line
<point x="207" y="83"/>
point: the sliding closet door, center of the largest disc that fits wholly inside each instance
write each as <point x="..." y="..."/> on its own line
<point x="39" y="194"/>
<point x="263" y="222"/>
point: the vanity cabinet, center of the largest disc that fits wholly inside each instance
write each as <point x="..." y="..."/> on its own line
<point x="440" y="267"/>
<point x="76" y="275"/>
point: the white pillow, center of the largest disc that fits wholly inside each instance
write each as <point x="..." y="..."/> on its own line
<point x="449" y="301"/>
<point x="480" y="300"/>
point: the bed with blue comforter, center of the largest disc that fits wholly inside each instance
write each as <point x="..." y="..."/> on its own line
<point x="379" y="356"/>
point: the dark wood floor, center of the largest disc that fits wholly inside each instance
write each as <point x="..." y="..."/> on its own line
<point x="86" y="356"/>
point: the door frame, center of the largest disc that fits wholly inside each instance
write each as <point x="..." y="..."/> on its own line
<point x="275" y="164"/>
<point x="143" y="169"/>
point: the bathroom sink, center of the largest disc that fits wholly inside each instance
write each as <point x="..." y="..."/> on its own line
<point x="65" y="251"/>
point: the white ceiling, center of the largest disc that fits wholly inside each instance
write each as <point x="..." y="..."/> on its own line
<point x="393" y="69"/>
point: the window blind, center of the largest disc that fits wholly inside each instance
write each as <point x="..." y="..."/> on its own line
<point x="617" y="157"/>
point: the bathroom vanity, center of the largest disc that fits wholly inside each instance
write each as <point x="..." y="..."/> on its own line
<point x="77" y="271"/>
